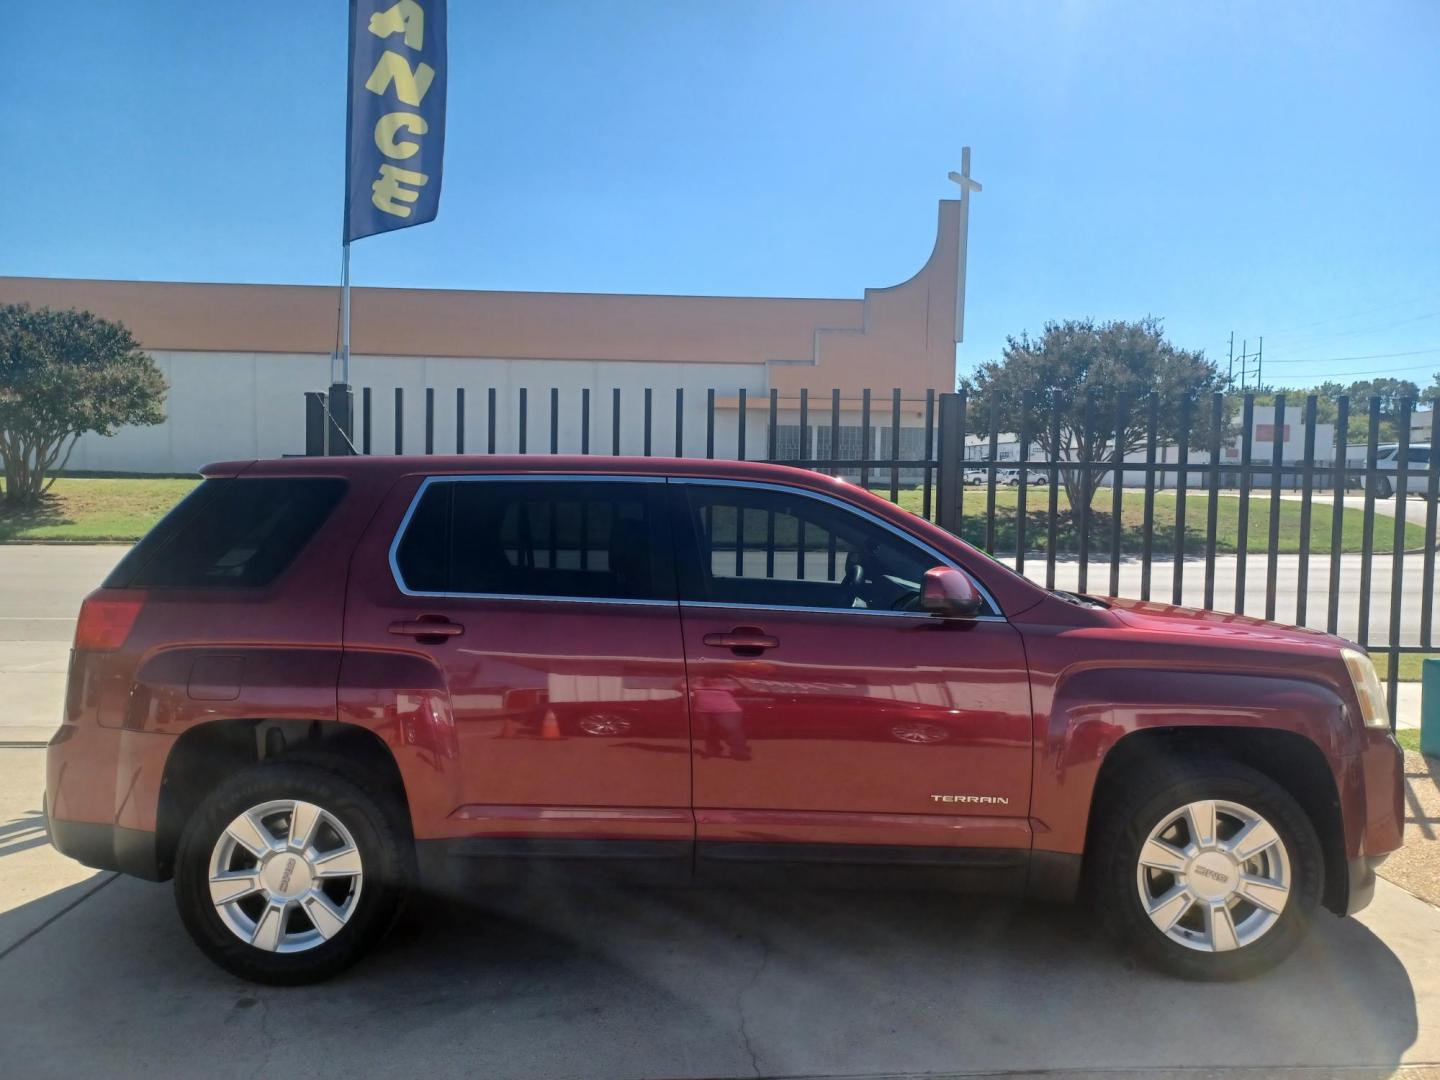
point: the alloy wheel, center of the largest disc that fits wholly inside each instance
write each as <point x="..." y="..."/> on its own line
<point x="285" y="876"/>
<point x="1213" y="876"/>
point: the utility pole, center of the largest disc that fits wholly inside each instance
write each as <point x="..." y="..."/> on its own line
<point x="1230" y="371"/>
<point x="1246" y="369"/>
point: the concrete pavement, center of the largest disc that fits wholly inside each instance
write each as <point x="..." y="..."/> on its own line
<point x="97" y="977"/>
<point x="44" y="584"/>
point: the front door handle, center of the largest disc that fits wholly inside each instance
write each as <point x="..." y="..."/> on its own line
<point x="743" y="641"/>
<point x="426" y="628"/>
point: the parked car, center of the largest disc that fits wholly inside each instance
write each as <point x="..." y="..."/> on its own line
<point x="1011" y="478"/>
<point x="1005" y="477"/>
<point x="321" y="683"/>
<point x="1417" y="470"/>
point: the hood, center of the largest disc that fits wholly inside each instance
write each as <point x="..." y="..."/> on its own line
<point x="1241" y="629"/>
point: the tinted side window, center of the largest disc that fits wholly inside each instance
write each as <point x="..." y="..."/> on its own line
<point x="230" y="532"/>
<point x="590" y="539"/>
<point x="423" y="554"/>
<point x="761" y="546"/>
<point x="1420" y="455"/>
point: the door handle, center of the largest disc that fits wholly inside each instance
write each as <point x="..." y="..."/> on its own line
<point x="743" y="641"/>
<point x="426" y="628"/>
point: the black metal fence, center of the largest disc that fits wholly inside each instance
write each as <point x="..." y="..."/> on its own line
<point x="1195" y="519"/>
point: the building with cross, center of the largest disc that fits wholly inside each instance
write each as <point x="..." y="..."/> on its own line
<point x="238" y="359"/>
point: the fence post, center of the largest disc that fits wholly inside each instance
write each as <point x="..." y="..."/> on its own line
<point x="314" y="423"/>
<point x="340" y="402"/>
<point x="950" y="463"/>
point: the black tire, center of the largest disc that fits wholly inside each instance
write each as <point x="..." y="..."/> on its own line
<point x="1381" y="487"/>
<point x="385" y="850"/>
<point x="1149" y="799"/>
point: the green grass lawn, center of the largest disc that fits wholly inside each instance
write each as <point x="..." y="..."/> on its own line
<point x="91" y="509"/>
<point x="1410" y="666"/>
<point x="1132" y="523"/>
<point x="1409" y="739"/>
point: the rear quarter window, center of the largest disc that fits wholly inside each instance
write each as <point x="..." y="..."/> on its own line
<point x="230" y="532"/>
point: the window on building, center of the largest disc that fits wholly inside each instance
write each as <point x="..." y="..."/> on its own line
<point x="787" y="443"/>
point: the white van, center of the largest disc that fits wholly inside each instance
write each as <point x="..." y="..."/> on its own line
<point x="1417" y="476"/>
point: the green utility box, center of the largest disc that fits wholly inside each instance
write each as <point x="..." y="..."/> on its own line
<point x="1430" y="707"/>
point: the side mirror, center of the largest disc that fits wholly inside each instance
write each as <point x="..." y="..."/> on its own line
<point x="950" y="592"/>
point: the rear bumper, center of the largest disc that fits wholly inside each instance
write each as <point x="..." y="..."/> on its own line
<point x="102" y="790"/>
<point x="108" y="847"/>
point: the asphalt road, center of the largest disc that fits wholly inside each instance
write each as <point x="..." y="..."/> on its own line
<point x="97" y="977"/>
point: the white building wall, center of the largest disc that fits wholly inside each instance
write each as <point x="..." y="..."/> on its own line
<point x="224" y="406"/>
<point x="1007" y="448"/>
<point x="1421" y="425"/>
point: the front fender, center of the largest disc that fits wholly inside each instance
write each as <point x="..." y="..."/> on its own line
<point x="1093" y="708"/>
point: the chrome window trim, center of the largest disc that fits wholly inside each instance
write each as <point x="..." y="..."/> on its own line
<point x="995" y="614"/>
<point x="801" y="609"/>
<point x="445" y="478"/>
<point x="542" y="599"/>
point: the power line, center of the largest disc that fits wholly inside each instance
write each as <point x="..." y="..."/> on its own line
<point x="1357" y="314"/>
<point x="1323" y="338"/>
<point x="1366" y="356"/>
<point x="1323" y="376"/>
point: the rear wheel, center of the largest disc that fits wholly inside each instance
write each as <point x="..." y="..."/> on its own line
<point x="288" y="873"/>
<point x="1209" y="870"/>
<point x="1381" y="487"/>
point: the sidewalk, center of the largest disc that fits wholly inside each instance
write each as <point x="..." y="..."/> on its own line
<point x="97" y="977"/>
<point x="1416" y="866"/>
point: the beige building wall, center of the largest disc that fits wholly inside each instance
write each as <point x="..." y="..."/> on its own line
<point x="238" y="359"/>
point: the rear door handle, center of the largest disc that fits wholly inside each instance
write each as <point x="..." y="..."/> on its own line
<point x="426" y="628"/>
<point x="743" y="641"/>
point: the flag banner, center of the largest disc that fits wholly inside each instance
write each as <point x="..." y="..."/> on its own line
<point x="396" y="115"/>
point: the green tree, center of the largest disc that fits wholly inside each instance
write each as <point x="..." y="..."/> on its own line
<point x="62" y="374"/>
<point x="1108" y="365"/>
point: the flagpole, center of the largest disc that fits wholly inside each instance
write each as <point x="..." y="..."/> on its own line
<point x="345" y="313"/>
<point x="340" y="398"/>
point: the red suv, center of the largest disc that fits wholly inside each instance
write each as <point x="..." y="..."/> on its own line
<point x="320" y="682"/>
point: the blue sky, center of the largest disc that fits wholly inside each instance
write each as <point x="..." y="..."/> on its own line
<point x="1268" y="168"/>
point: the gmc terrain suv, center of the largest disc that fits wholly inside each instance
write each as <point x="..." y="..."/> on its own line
<point x="320" y="683"/>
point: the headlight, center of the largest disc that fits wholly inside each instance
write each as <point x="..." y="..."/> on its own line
<point x="1373" y="709"/>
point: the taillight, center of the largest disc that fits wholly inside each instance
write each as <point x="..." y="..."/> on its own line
<point x="105" y="624"/>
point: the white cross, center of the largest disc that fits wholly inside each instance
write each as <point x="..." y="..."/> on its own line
<point x="962" y="177"/>
<point x="967" y="185"/>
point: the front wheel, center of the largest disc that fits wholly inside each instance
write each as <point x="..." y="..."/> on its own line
<point x="288" y="873"/>
<point x="1208" y="870"/>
